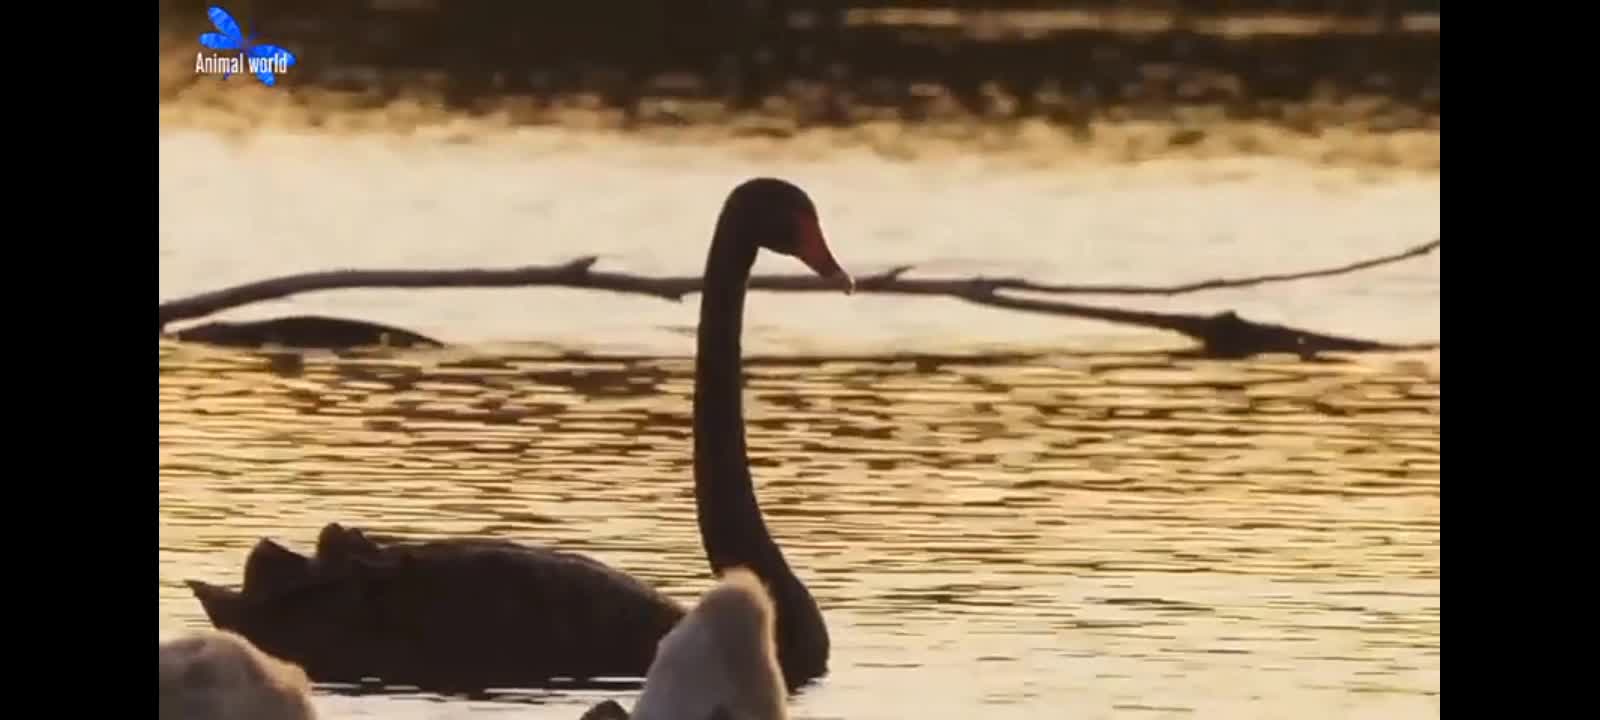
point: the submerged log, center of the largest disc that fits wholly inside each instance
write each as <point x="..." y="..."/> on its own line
<point x="304" y="331"/>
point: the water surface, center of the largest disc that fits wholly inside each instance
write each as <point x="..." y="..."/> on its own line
<point x="1127" y="536"/>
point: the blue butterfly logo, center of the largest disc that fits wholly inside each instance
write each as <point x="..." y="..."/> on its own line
<point x="264" y="59"/>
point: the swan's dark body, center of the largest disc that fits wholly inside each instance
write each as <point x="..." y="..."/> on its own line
<point x="451" y="615"/>
<point x="468" y="614"/>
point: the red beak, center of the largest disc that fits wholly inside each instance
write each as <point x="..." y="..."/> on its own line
<point x="814" y="252"/>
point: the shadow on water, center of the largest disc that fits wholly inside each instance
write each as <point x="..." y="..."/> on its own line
<point x="1113" y="530"/>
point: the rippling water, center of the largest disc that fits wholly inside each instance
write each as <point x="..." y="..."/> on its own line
<point x="1059" y="535"/>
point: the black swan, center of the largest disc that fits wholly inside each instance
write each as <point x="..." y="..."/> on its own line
<point x="458" y="615"/>
<point x="217" y="675"/>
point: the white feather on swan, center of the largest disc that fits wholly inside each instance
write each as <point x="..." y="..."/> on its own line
<point x="218" y="675"/>
<point x="720" y="656"/>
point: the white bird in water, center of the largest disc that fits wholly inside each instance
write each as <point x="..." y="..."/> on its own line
<point x="218" y="675"/>
<point x="719" y="663"/>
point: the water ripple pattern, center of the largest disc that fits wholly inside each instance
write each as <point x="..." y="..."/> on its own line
<point x="1086" y="536"/>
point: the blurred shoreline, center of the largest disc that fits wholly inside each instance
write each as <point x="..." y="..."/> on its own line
<point x="239" y="112"/>
<point x="1048" y="88"/>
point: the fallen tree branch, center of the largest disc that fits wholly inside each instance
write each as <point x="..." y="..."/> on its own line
<point x="1219" y="283"/>
<point x="1221" y="335"/>
<point x="578" y="273"/>
<point x="572" y="274"/>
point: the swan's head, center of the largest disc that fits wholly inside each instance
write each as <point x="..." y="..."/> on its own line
<point x="780" y="217"/>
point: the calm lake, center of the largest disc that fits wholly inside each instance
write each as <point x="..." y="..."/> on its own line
<point x="1001" y="515"/>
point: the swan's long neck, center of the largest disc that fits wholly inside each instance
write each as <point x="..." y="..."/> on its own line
<point x="731" y="527"/>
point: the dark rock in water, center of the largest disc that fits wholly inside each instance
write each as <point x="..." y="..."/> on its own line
<point x="456" y="615"/>
<point x="305" y="331"/>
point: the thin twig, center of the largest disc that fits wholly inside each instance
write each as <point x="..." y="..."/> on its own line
<point x="1219" y="283"/>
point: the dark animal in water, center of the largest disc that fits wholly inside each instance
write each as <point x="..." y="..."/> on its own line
<point x="468" y="614"/>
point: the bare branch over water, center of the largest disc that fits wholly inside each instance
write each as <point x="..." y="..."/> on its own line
<point x="1220" y="335"/>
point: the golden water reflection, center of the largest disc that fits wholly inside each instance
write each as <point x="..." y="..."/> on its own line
<point x="1115" y="535"/>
